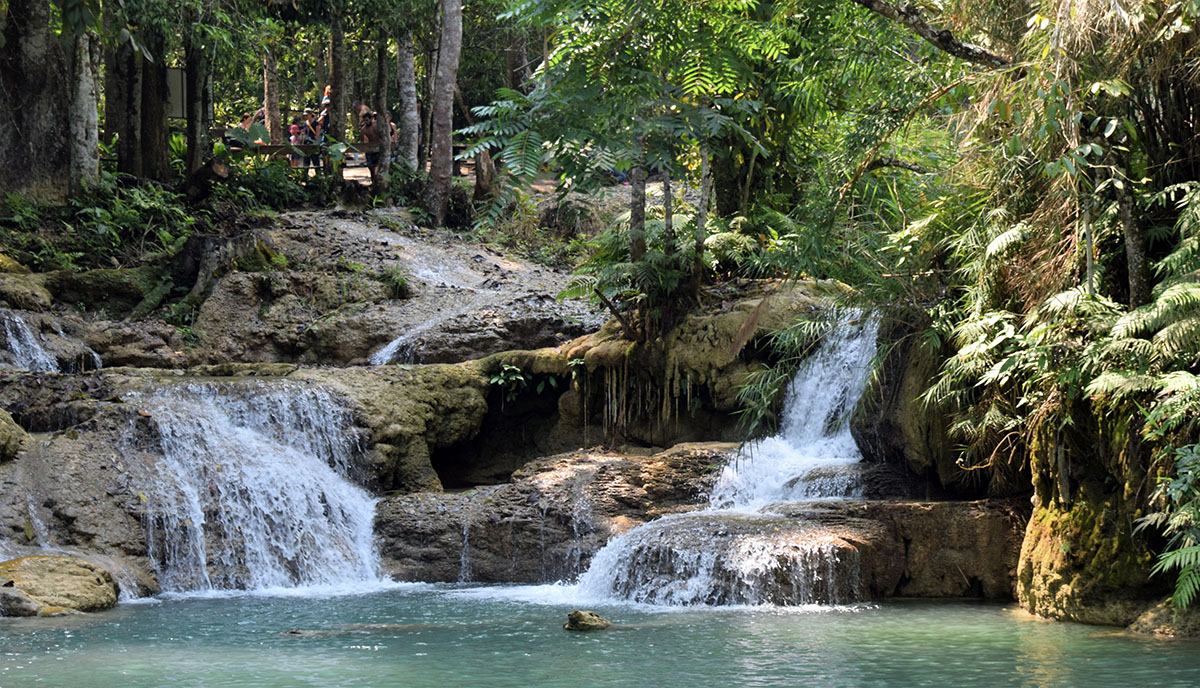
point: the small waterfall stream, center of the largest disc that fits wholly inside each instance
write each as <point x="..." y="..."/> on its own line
<point x="740" y="550"/>
<point x="26" y="352"/>
<point x="253" y="492"/>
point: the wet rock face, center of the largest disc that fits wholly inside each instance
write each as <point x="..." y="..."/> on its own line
<point x="820" y="552"/>
<point x="547" y="523"/>
<point x="46" y="585"/>
<point x="1083" y="564"/>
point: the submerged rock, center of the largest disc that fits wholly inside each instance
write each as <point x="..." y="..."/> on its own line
<point x="45" y="585"/>
<point x="586" y="621"/>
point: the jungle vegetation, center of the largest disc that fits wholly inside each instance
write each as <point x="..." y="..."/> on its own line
<point x="1013" y="184"/>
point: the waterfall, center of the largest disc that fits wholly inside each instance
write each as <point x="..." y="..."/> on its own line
<point x="26" y="351"/>
<point x="739" y="550"/>
<point x="253" y="491"/>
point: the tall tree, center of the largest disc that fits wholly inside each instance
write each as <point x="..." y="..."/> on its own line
<point x="410" y="117"/>
<point x="47" y="116"/>
<point x="271" y="95"/>
<point x="383" y="122"/>
<point x="442" y="156"/>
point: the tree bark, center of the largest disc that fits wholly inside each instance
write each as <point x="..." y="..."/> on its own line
<point x="668" y="215"/>
<point x="706" y="180"/>
<point x="156" y="155"/>
<point x="637" y="202"/>
<point x="410" y="118"/>
<point x="427" y="124"/>
<point x="85" y="113"/>
<point x="195" y="75"/>
<point x="35" y="150"/>
<point x="379" y="173"/>
<point x="942" y="39"/>
<point x="123" y="108"/>
<point x="337" y="79"/>
<point x="271" y="97"/>
<point x="1135" y="254"/>
<point x="441" y="157"/>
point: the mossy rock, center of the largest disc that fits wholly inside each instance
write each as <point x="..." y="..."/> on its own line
<point x="117" y="291"/>
<point x="13" y="437"/>
<point x="586" y="621"/>
<point x="25" y="292"/>
<point x="410" y="413"/>
<point x="243" y="370"/>
<point x="1083" y="564"/>
<point x="11" y="266"/>
<point x="46" y="585"/>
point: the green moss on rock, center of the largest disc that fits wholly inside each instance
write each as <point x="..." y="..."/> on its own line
<point x="13" y="437"/>
<point x="1083" y="564"/>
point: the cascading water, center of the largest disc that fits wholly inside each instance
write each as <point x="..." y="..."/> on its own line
<point x="253" y="492"/>
<point x="740" y="550"/>
<point x="26" y="351"/>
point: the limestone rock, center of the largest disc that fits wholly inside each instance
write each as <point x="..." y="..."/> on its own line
<point x="586" y="621"/>
<point x="25" y="292"/>
<point x="1163" y="619"/>
<point x="1082" y="564"/>
<point x="548" y="522"/>
<point x="54" y="584"/>
<point x="13" y="437"/>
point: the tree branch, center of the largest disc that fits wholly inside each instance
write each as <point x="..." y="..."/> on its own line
<point x="942" y="39"/>
<point x="885" y="161"/>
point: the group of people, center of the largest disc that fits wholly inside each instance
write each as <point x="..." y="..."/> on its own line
<point x="313" y="129"/>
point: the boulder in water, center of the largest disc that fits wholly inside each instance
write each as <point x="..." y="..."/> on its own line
<point x="46" y="585"/>
<point x="586" y="621"/>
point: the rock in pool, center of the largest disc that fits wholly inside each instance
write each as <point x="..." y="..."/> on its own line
<point x="586" y="621"/>
<point x="45" y="585"/>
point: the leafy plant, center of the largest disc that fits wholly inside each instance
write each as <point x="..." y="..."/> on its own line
<point x="511" y="380"/>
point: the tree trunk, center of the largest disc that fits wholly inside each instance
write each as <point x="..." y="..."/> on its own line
<point x="1135" y="254"/>
<point x="485" y="176"/>
<point x="637" y="202"/>
<point x="123" y="108"/>
<point x="156" y="155"/>
<point x="706" y="182"/>
<point x="35" y="80"/>
<point x="441" y="158"/>
<point x="410" y="119"/>
<point x="427" y="124"/>
<point x="337" y="79"/>
<point x="271" y="97"/>
<point x="668" y="218"/>
<point x="85" y="114"/>
<point x="195" y="74"/>
<point x="383" y="124"/>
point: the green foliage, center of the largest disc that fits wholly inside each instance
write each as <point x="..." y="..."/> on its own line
<point x="647" y="286"/>
<point x="114" y="223"/>
<point x="511" y="380"/>
<point x="269" y="183"/>
<point x="1178" y="499"/>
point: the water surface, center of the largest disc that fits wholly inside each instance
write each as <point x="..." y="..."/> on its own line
<point x="419" y="635"/>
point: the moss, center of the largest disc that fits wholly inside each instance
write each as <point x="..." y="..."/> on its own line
<point x="410" y="413"/>
<point x="1083" y="564"/>
<point x="25" y="292"/>
<point x="13" y="437"/>
<point x="8" y="265"/>
<point x="117" y="291"/>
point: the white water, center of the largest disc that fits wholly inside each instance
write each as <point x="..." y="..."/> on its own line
<point x="23" y="345"/>
<point x="813" y="455"/>
<point x="738" y="551"/>
<point x="253" y="493"/>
